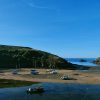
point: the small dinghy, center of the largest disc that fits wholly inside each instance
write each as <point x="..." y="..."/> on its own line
<point x="66" y="77"/>
<point x="36" y="90"/>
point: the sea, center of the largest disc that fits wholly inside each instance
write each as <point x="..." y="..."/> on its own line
<point x="88" y="61"/>
<point x="54" y="91"/>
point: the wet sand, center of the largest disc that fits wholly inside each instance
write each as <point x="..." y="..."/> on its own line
<point x="82" y="77"/>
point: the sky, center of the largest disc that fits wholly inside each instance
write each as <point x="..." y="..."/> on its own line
<point x="67" y="28"/>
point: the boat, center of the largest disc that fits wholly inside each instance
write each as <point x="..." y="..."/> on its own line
<point x="15" y="72"/>
<point x="34" y="72"/>
<point x="36" y="90"/>
<point x="66" y="77"/>
<point x="53" y="72"/>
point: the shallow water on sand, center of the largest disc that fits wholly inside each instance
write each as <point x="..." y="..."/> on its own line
<point x="87" y="63"/>
<point x="54" y="91"/>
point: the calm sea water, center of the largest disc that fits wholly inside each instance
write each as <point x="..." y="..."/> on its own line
<point x="54" y="91"/>
<point x="77" y="61"/>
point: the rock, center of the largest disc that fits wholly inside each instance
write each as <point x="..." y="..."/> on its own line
<point x="83" y="60"/>
<point x="97" y="61"/>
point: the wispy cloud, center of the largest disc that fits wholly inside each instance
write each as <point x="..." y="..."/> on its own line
<point x="34" y="5"/>
<point x="37" y="6"/>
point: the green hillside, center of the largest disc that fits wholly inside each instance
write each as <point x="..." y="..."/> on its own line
<point x="25" y="57"/>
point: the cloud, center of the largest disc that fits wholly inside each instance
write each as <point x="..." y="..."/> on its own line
<point x="33" y="5"/>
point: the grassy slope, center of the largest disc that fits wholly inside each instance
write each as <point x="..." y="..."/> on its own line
<point x="10" y="56"/>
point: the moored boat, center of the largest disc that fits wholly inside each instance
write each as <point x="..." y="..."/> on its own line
<point x="36" y="90"/>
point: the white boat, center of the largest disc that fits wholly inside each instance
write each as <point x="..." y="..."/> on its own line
<point x="53" y="72"/>
<point x="65" y="77"/>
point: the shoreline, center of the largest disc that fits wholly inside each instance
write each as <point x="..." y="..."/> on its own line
<point x="7" y="83"/>
<point x="79" y="76"/>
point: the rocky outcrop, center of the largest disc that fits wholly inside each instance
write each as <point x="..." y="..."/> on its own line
<point x="83" y="60"/>
<point x="97" y="61"/>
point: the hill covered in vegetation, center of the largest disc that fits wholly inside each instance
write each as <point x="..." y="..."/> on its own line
<point x="25" y="57"/>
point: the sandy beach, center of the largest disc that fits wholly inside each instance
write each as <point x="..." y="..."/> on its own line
<point x="83" y="77"/>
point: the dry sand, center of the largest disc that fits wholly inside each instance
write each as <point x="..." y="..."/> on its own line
<point x="77" y="75"/>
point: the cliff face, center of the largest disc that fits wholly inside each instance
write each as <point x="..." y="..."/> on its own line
<point x="25" y="57"/>
<point x="97" y="61"/>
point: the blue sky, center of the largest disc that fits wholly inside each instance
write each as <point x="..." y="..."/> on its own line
<point x="68" y="28"/>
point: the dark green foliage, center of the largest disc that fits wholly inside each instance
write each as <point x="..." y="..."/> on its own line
<point x="25" y="57"/>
